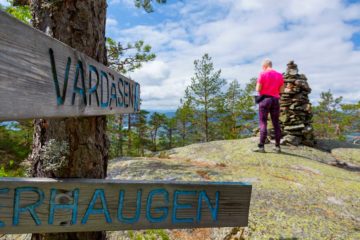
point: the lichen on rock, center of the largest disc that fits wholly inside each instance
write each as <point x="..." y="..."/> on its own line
<point x="55" y="155"/>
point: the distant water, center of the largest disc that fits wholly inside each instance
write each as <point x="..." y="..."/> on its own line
<point x="168" y="113"/>
<point x="351" y="137"/>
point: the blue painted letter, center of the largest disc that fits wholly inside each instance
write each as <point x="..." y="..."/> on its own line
<point x="177" y="205"/>
<point x="164" y="210"/>
<point x="60" y="98"/>
<point x="113" y="95"/>
<point x="126" y="94"/>
<point x="121" y="98"/>
<point x="76" y="89"/>
<point x="104" y="210"/>
<point x="73" y="206"/>
<point x="93" y="89"/>
<point x="102" y="76"/>
<point x="30" y="207"/>
<point x="137" y="97"/>
<point x="214" y="210"/>
<point x="131" y="94"/>
<point x="121" y="207"/>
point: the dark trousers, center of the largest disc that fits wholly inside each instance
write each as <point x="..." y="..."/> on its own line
<point x="269" y="105"/>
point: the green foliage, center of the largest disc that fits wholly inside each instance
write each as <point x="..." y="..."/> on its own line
<point x="170" y="131"/>
<point x="206" y="113"/>
<point x="141" y="141"/>
<point x="350" y="120"/>
<point x="147" y="4"/>
<point x="22" y="13"/>
<point x="237" y="111"/>
<point x="15" y="142"/>
<point x="332" y="119"/>
<point x="204" y="94"/>
<point x="116" y="134"/>
<point x="157" y="234"/>
<point x="157" y="120"/>
<point x="130" y="57"/>
<point x="185" y="121"/>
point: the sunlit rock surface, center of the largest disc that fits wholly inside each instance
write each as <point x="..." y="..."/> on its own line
<point x="296" y="194"/>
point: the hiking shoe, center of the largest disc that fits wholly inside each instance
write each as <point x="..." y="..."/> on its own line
<point x="259" y="150"/>
<point x="277" y="149"/>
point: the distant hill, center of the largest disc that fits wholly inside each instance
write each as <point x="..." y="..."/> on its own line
<point x="168" y="113"/>
<point x="295" y="195"/>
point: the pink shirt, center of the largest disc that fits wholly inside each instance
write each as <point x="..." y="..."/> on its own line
<point x="270" y="81"/>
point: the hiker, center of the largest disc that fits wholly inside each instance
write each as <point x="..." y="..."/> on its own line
<point x="269" y="85"/>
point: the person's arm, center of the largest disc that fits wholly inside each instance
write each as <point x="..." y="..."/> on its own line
<point x="258" y="87"/>
<point x="259" y="84"/>
<point x="282" y="87"/>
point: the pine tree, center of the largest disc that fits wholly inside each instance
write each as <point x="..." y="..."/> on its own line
<point x="142" y="128"/>
<point x="326" y="116"/>
<point x="123" y="59"/>
<point x="170" y="129"/>
<point x="184" y="118"/>
<point x="237" y="110"/>
<point x="116" y="133"/>
<point x="228" y="109"/>
<point x="157" y="120"/>
<point x="204" y="91"/>
<point x="350" y="121"/>
<point x="246" y="109"/>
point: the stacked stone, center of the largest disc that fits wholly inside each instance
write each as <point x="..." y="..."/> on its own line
<point x="296" y="115"/>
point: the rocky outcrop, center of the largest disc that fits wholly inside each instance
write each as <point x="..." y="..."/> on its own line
<point x="295" y="195"/>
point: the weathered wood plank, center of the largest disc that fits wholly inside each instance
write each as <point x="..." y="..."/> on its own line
<point x="35" y="205"/>
<point x="42" y="77"/>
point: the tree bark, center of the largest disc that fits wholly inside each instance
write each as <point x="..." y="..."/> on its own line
<point x="71" y="147"/>
<point x="120" y="151"/>
<point x="170" y="137"/>
<point x="129" y="136"/>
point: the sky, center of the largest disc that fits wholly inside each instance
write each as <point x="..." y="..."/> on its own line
<point x="321" y="36"/>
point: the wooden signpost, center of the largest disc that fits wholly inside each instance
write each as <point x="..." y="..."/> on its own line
<point x="49" y="205"/>
<point x="41" y="77"/>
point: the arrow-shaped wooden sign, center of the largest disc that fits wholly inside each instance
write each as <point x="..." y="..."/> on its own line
<point x="42" y="77"/>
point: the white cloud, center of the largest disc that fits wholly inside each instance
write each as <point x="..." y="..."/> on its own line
<point x="127" y="3"/>
<point x="4" y="3"/>
<point x="238" y="34"/>
<point x="111" y="22"/>
<point x="152" y="73"/>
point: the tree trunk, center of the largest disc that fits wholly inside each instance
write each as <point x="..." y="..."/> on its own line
<point x="155" y="133"/>
<point x="206" y="125"/>
<point x="206" y="117"/>
<point x="184" y="134"/>
<point x="170" y="138"/>
<point x="71" y="147"/>
<point x="129" y="136"/>
<point x="120" y="151"/>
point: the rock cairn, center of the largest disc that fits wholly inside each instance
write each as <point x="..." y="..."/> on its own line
<point x="296" y="115"/>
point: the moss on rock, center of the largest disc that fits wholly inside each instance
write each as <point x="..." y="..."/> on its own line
<point x="295" y="195"/>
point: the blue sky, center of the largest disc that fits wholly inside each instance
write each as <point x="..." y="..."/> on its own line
<point x="322" y="36"/>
